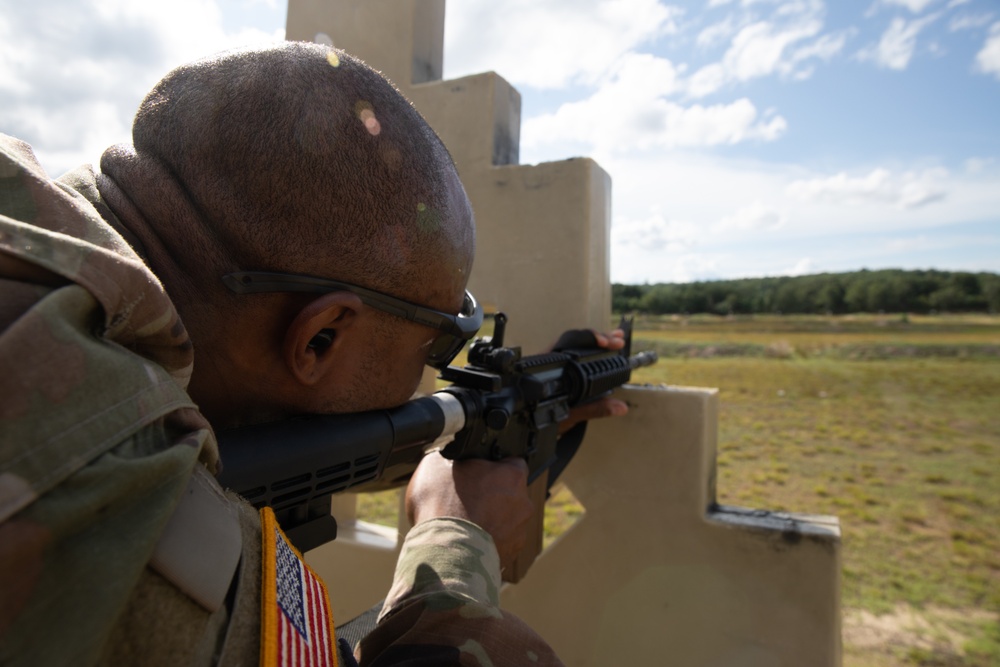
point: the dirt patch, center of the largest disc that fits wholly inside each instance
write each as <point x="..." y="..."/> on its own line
<point x="906" y="630"/>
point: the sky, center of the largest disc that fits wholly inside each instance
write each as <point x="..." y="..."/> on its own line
<point x="744" y="138"/>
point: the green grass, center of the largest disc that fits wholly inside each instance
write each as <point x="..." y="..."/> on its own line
<point x="907" y="454"/>
<point x="905" y="449"/>
<point x="890" y="423"/>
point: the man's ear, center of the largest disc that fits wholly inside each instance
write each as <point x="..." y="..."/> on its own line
<point x="317" y="336"/>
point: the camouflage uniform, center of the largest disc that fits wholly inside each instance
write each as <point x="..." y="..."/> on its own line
<point x="102" y="449"/>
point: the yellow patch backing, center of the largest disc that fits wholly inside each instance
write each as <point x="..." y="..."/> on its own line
<point x="296" y="622"/>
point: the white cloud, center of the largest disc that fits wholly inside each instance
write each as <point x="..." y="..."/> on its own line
<point x="915" y="6"/>
<point x="802" y="267"/>
<point x="936" y="49"/>
<point x="781" y="45"/>
<point x="72" y="72"/>
<point x="695" y="192"/>
<point x="909" y="191"/>
<point x="969" y="21"/>
<point x="755" y="217"/>
<point x="935" y="243"/>
<point x="631" y="112"/>
<point x="988" y="58"/>
<point x="976" y="165"/>
<point x="550" y="44"/>
<point x="919" y="191"/>
<point x="655" y="234"/>
<point x="717" y="33"/>
<point x="655" y="248"/>
<point x="647" y="267"/>
<point x="842" y="188"/>
<point x="898" y="43"/>
<point x="757" y="49"/>
<point x="707" y="80"/>
<point x="907" y="244"/>
<point x="824" y="48"/>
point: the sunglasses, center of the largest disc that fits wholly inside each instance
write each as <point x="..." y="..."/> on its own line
<point x="456" y="329"/>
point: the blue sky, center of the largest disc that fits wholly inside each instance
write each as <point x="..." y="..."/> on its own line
<point x="744" y="137"/>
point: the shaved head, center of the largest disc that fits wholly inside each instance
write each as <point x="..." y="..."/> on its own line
<point x="295" y="158"/>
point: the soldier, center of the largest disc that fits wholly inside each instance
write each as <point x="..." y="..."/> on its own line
<point x="122" y="349"/>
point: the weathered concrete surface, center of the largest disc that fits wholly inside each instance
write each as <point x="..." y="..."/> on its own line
<point x="655" y="574"/>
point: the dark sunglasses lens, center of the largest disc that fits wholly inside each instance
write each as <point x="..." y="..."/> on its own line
<point x="468" y="305"/>
<point x="443" y="350"/>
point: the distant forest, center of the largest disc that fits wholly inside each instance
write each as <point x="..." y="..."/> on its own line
<point x="885" y="291"/>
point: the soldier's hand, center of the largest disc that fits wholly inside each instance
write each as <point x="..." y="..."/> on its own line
<point x="612" y="341"/>
<point x="491" y="494"/>
<point x="602" y="407"/>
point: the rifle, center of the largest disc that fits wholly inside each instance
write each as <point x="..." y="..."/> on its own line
<point x="500" y="405"/>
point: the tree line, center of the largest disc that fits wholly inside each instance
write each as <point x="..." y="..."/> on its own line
<point x="885" y="291"/>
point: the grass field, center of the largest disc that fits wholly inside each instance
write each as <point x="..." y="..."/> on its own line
<point x="890" y="423"/>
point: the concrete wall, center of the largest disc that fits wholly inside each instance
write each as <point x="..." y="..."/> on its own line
<point x="655" y="573"/>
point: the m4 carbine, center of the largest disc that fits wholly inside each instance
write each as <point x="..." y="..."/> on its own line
<point x="500" y="405"/>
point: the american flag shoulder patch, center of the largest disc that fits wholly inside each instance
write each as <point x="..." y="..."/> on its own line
<point x="296" y="621"/>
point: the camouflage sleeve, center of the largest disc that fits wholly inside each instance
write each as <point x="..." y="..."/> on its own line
<point x="443" y="607"/>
